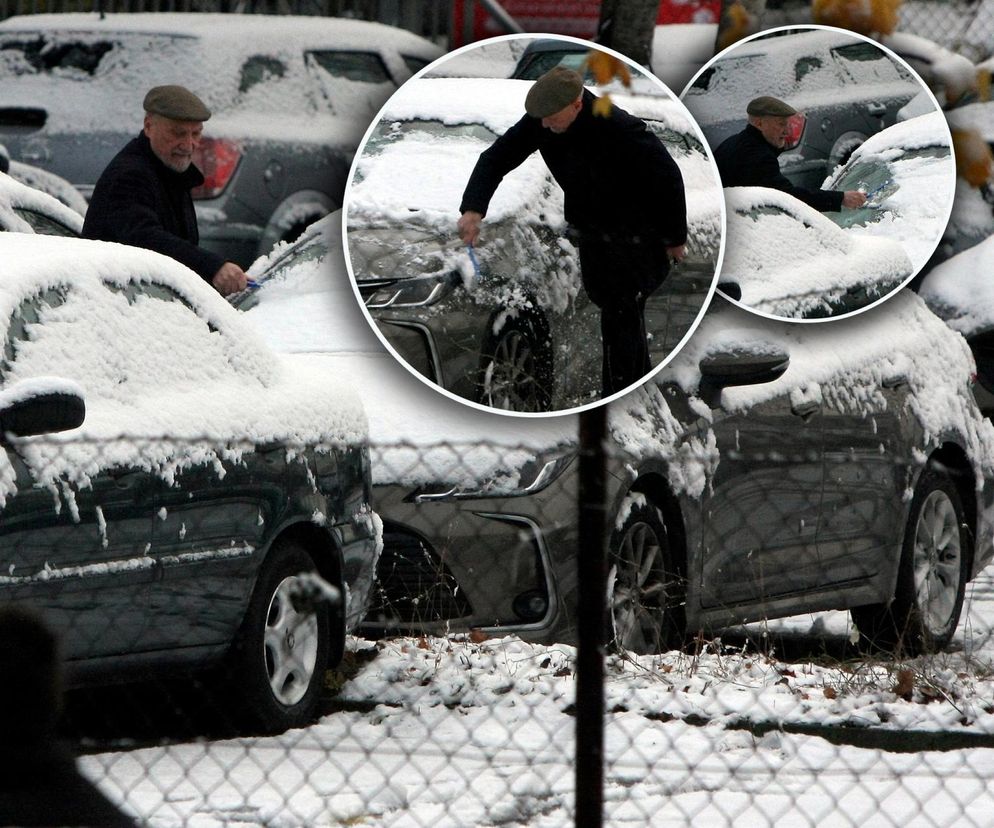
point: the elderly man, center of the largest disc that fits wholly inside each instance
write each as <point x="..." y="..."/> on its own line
<point x="143" y="196"/>
<point x="749" y="158"/>
<point x="624" y="202"/>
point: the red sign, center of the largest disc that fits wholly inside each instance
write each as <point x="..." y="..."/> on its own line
<point x="579" y="18"/>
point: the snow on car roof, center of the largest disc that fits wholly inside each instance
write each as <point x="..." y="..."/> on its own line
<point x="242" y="33"/>
<point x="961" y="291"/>
<point x="14" y="194"/>
<point x="789" y="260"/>
<point x="401" y="183"/>
<point x="189" y="375"/>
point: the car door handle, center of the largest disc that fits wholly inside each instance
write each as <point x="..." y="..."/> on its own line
<point x="895" y="381"/>
<point x="876" y="109"/>
<point x="806" y="408"/>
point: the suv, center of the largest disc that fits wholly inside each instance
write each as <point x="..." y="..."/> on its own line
<point x="291" y="99"/>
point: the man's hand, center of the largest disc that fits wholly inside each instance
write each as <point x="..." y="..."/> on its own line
<point x="230" y="278"/>
<point x="677" y="253"/>
<point x="853" y="199"/>
<point x="468" y="226"/>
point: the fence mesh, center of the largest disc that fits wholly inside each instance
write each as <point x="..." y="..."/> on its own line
<point x="454" y="702"/>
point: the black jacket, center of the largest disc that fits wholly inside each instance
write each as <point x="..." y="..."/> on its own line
<point x="747" y="159"/>
<point x="616" y="175"/>
<point x="139" y="201"/>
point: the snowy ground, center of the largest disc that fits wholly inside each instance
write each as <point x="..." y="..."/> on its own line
<point x="460" y="733"/>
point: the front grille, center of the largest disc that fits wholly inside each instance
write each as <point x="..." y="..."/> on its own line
<point x="413" y="585"/>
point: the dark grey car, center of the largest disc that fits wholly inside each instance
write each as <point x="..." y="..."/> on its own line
<point x="291" y="98"/>
<point x="847" y="88"/>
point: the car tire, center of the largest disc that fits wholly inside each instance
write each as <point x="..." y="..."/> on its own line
<point x="647" y="594"/>
<point x="278" y="661"/>
<point x="936" y="558"/>
<point x="516" y="367"/>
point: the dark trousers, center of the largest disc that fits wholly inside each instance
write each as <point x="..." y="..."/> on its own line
<point x="619" y="274"/>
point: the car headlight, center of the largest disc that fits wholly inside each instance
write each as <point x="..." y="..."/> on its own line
<point x="534" y="476"/>
<point x="421" y="291"/>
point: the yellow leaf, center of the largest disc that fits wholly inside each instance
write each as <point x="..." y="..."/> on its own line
<point x="605" y="67"/>
<point x="864" y="16"/>
<point x="738" y="24"/>
<point x="974" y="162"/>
<point x="602" y="106"/>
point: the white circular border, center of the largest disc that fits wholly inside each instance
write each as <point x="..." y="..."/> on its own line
<point x="709" y="296"/>
<point x="952" y="157"/>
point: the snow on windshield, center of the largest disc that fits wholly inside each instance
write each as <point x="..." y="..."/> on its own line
<point x="913" y="156"/>
<point x="17" y="196"/>
<point x="790" y="260"/>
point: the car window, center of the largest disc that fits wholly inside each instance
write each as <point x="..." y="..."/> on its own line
<point x="364" y="67"/>
<point x="866" y="63"/>
<point x="258" y="69"/>
<point x="41" y="223"/>
<point x="37" y="54"/>
<point x="728" y="75"/>
<point x="542" y="62"/>
<point x="390" y="132"/>
<point x="414" y="64"/>
<point x="805" y="65"/>
<point x="27" y="314"/>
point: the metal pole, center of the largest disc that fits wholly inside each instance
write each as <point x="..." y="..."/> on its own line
<point x="591" y="621"/>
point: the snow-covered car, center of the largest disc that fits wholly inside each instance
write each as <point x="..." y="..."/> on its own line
<point x="909" y="176"/>
<point x="40" y="179"/>
<point x="959" y="290"/>
<point x="170" y="487"/>
<point x="521" y="334"/>
<point x="785" y="259"/>
<point x="846" y="88"/>
<point x="950" y="75"/>
<point x="291" y="98"/>
<point x="24" y="209"/>
<point x="770" y="469"/>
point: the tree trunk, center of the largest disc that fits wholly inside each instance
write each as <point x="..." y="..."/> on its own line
<point x="627" y="26"/>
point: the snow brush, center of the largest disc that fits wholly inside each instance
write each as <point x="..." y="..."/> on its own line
<point x="870" y="195"/>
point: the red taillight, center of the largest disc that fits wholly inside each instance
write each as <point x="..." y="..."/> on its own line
<point x="217" y="159"/>
<point x="795" y="129"/>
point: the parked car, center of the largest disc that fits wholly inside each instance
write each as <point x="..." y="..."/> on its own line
<point x="785" y="259"/>
<point x="770" y="469"/>
<point x="291" y="98"/>
<point x="170" y="487"/>
<point x="846" y="88"/>
<point x="522" y="334"/>
<point x="43" y="180"/>
<point x="24" y="209"/>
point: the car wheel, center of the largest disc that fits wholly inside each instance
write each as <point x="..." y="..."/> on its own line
<point x="279" y="659"/>
<point x="516" y="369"/>
<point x="936" y="556"/>
<point x="647" y="593"/>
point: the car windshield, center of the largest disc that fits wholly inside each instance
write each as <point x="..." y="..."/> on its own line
<point x="389" y="132"/>
<point x="875" y="176"/>
<point x="544" y="61"/>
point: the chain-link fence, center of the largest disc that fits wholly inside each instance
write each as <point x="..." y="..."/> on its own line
<point x="198" y="604"/>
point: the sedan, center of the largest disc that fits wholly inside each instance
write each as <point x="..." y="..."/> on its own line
<point x="785" y="259"/>
<point x="847" y="90"/>
<point x="514" y="330"/>
<point x="769" y="469"/>
<point x="174" y="495"/>
<point x="291" y="98"/>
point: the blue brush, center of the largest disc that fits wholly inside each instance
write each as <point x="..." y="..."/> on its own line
<point x="252" y="284"/>
<point x="473" y="260"/>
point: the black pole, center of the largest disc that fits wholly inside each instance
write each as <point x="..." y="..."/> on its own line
<point x="591" y="621"/>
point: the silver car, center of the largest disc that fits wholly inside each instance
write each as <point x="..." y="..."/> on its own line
<point x="291" y="98"/>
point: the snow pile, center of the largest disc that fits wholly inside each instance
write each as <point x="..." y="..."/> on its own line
<point x="15" y="196"/>
<point x="171" y="375"/>
<point x="791" y="261"/>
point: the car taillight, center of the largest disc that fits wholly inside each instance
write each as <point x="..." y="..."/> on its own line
<point x="795" y="129"/>
<point x="217" y="159"/>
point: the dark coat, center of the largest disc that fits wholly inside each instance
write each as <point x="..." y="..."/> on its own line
<point x="139" y="201"/>
<point x="617" y="177"/>
<point x="747" y="159"/>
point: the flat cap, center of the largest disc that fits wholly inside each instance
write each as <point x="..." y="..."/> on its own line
<point x="176" y="102"/>
<point x="553" y="92"/>
<point x="768" y="105"/>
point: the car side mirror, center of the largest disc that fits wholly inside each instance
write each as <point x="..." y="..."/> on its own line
<point x="41" y="406"/>
<point x="730" y="368"/>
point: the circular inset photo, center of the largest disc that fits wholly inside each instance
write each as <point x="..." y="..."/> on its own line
<point x="533" y="246"/>
<point x="837" y="166"/>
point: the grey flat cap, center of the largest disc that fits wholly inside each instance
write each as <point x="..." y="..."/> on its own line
<point x="553" y="92"/>
<point x="176" y="102"/>
<point x="768" y="105"/>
